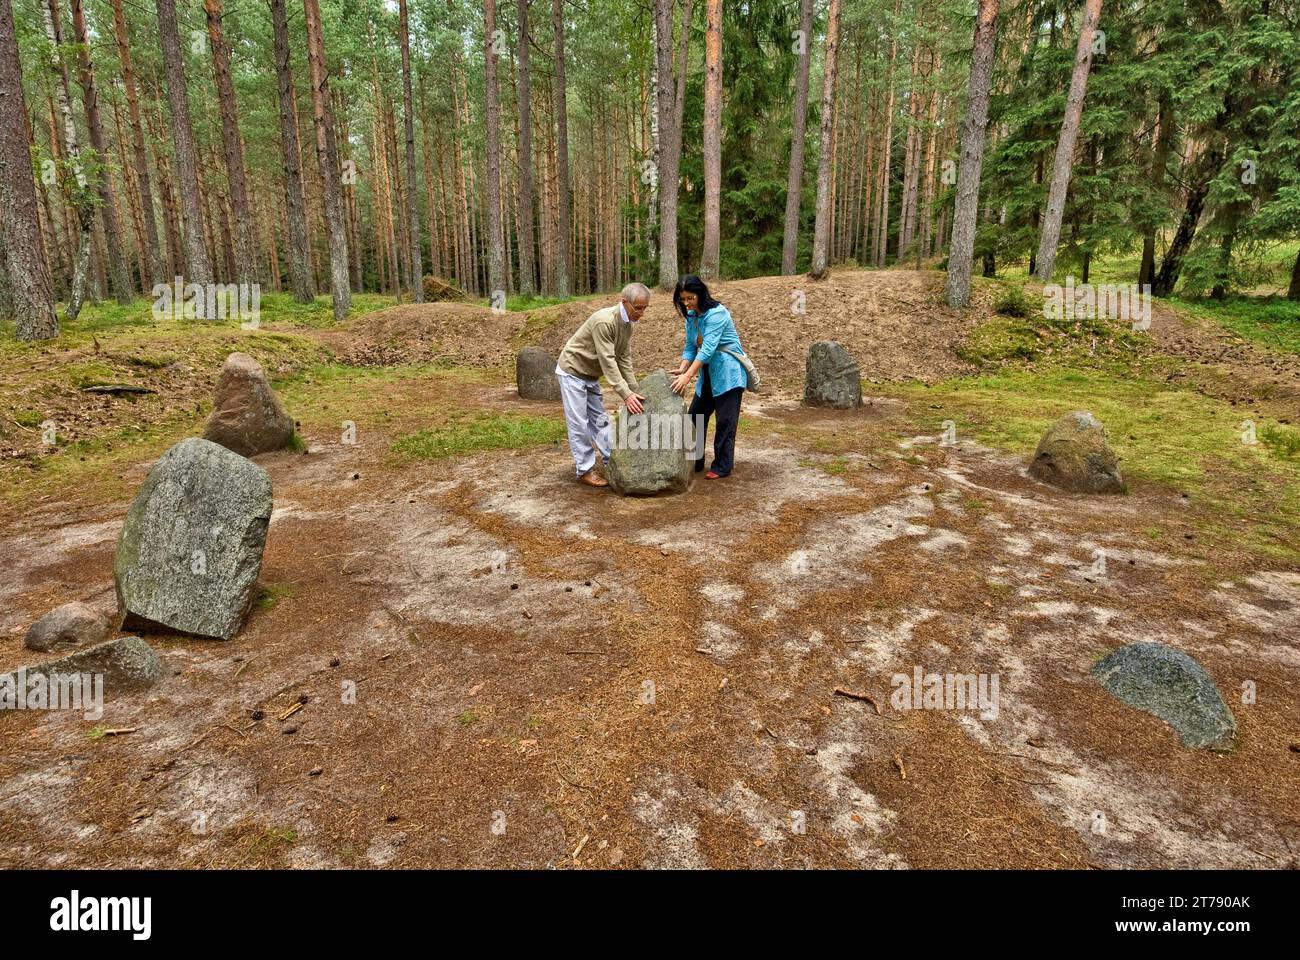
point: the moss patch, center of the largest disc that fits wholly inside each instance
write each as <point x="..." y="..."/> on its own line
<point x="484" y="431"/>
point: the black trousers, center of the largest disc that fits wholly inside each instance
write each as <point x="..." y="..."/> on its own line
<point x="726" y="409"/>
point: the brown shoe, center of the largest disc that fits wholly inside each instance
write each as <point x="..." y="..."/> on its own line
<point x="592" y="479"/>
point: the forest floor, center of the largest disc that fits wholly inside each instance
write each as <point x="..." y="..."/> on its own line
<point x="550" y="675"/>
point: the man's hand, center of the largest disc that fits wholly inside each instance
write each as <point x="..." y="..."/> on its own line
<point x="680" y="383"/>
<point x="633" y="402"/>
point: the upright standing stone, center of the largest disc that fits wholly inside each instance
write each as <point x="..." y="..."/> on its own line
<point x="248" y="417"/>
<point x="1172" y="686"/>
<point x="654" y="451"/>
<point x="191" y="549"/>
<point x="832" y="377"/>
<point x="1075" y="456"/>
<point x="535" y="375"/>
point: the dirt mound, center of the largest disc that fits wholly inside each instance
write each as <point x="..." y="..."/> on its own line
<point x="894" y="322"/>
<point x="427" y="332"/>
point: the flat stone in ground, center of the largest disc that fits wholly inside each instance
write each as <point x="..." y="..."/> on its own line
<point x="1169" y="684"/>
<point x="127" y="663"/>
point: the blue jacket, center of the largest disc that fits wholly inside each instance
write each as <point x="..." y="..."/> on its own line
<point x="718" y="330"/>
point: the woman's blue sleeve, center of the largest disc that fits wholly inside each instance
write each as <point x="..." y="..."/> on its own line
<point x="688" y="352"/>
<point x="716" y="322"/>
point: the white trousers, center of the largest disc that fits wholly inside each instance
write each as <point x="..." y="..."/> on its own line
<point x="584" y="414"/>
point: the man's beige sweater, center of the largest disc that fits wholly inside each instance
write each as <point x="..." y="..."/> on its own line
<point x="602" y="345"/>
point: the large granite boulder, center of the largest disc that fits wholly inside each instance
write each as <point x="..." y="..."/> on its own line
<point x="1075" y="456"/>
<point x="71" y="625"/>
<point x="127" y="663"/>
<point x="248" y="417"/>
<point x="831" y="377"/>
<point x="654" y="451"/>
<point x="1172" y="686"/>
<point x="191" y="548"/>
<point x="535" y="375"/>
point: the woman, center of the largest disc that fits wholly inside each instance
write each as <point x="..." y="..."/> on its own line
<point x="710" y="334"/>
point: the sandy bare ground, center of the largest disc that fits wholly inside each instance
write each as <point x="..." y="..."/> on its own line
<point x="548" y="675"/>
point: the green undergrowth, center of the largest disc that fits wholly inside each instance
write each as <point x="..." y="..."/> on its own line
<point x="1273" y="322"/>
<point x="1170" y="435"/>
<point x="482" y="431"/>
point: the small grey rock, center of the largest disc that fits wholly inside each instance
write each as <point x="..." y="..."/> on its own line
<point x="71" y="625"/>
<point x="1169" y="684"/>
<point x="535" y="375"/>
<point x="1074" y="455"/>
<point x="127" y="663"/>
<point x="831" y="377"/>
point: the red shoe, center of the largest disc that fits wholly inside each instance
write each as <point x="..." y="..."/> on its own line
<point x="711" y="475"/>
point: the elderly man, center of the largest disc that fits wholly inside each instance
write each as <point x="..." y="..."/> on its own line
<point x="600" y="346"/>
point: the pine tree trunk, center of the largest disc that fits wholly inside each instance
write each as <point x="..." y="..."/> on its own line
<point x="198" y="265"/>
<point x="496" y="236"/>
<point x="1159" y="162"/>
<point x="561" y="154"/>
<point x="966" y="207"/>
<point x="415" y="256"/>
<point x="1293" y="293"/>
<point x="524" y="218"/>
<point x="1207" y="167"/>
<point x="117" y="263"/>
<point x="822" y="226"/>
<point x="304" y="284"/>
<point x="907" y="205"/>
<point x="1064" y="162"/>
<point x="926" y="212"/>
<point x="83" y="210"/>
<point x="30" y="299"/>
<point x="327" y="155"/>
<point x="246" y="262"/>
<point x="132" y="200"/>
<point x="710" y="256"/>
<point x="794" y="182"/>
<point x="669" y="131"/>
<point x="884" y="189"/>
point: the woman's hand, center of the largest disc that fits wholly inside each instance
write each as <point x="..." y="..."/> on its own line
<point x="680" y="383"/>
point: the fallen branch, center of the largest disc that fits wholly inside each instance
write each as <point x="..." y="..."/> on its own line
<point x="854" y="695"/>
<point x="116" y="388"/>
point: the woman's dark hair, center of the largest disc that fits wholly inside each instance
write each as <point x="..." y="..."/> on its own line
<point x="695" y="285"/>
